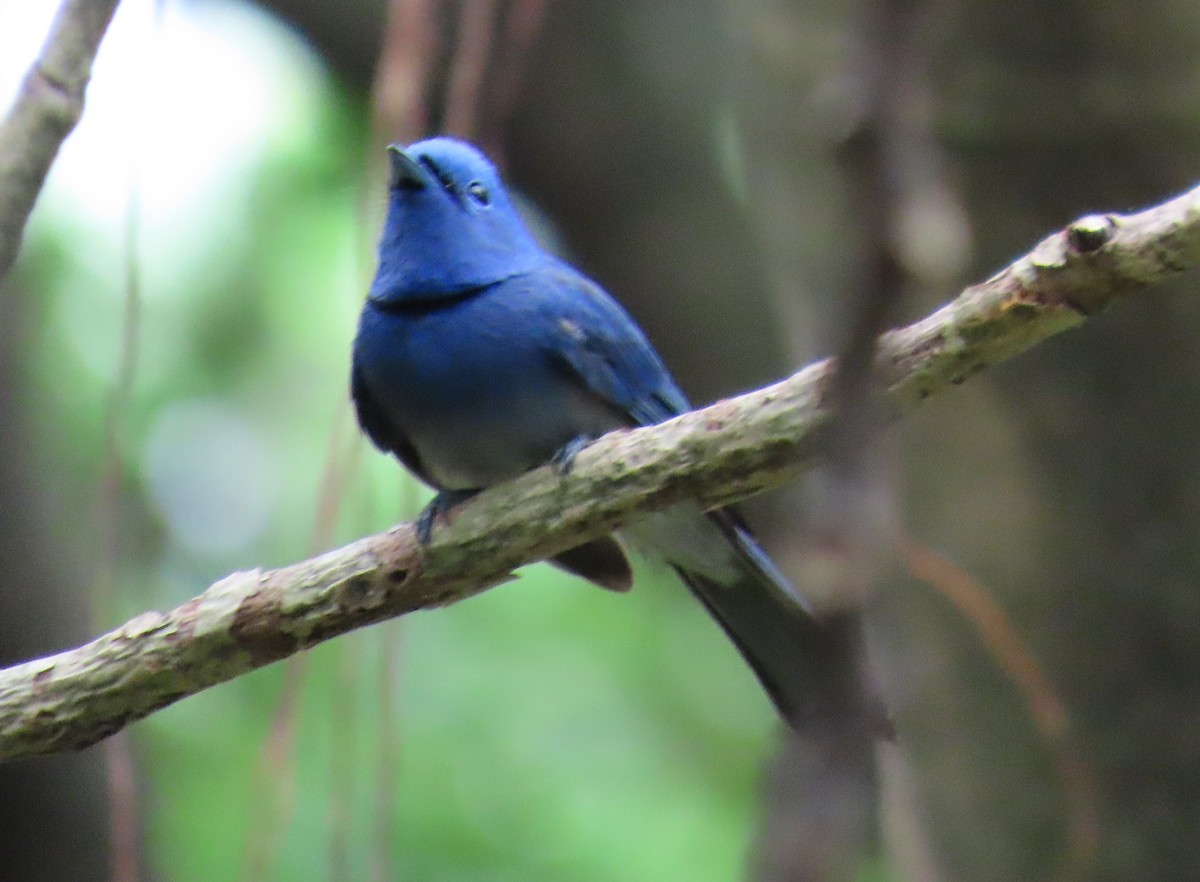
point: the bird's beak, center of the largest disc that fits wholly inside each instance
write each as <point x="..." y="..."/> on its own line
<point x="406" y="172"/>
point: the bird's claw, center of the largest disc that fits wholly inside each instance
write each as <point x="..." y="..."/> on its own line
<point x="564" y="459"/>
<point x="439" y="507"/>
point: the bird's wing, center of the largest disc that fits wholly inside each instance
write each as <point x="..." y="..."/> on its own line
<point x="599" y="344"/>
<point x="602" y="347"/>
<point x="757" y="606"/>
<point x="382" y="431"/>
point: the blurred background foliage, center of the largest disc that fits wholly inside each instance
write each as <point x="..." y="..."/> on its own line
<point x="228" y="171"/>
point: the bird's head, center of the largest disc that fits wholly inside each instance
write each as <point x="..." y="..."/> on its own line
<point x="450" y="226"/>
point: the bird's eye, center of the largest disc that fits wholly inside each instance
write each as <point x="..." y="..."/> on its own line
<point x="479" y="192"/>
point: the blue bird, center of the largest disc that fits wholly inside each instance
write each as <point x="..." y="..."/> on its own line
<point x="480" y="356"/>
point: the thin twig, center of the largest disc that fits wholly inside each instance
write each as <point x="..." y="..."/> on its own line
<point x="476" y="24"/>
<point x="273" y="780"/>
<point x="124" y="836"/>
<point x="387" y="759"/>
<point x="888" y="162"/>
<point x="716" y="455"/>
<point x="398" y="113"/>
<point x="120" y="766"/>
<point x="344" y="742"/>
<point x="1049" y="714"/>
<point x="518" y="35"/>
<point x="398" y="110"/>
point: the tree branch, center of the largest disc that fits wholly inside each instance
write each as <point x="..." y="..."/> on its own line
<point x="719" y="454"/>
<point x="47" y="108"/>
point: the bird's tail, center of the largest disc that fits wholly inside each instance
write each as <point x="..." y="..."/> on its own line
<point x="810" y="668"/>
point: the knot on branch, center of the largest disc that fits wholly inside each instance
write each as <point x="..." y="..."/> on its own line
<point x="1090" y="233"/>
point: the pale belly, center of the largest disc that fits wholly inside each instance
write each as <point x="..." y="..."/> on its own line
<point x="498" y="440"/>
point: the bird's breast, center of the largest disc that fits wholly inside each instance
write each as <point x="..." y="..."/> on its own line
<point x="472" y="390"/>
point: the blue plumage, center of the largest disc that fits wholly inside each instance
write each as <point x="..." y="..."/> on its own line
<point x="480" y="356"/>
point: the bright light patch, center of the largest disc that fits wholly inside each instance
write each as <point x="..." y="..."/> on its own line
<point x="23" y="29"/>
<point x="187" y="102"/>
<point x="183" y="102"/>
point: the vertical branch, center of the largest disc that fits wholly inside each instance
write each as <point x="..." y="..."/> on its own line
<point x="121" y="771"/>
<point x="275" y="771"/>
<point x="119" y="765"/>
<point x="124" y="839"/>
<point x="387" y="763"/>
<point x="519" y="31"/>
<point x="408" y="57"/>
<point x="397" y="94"/>
<point x="398" y="113"/>
<point x="890" y="164"/>
<point x="471" y="53"/>
<point x="871" y="160"/>
<point x="898" y="192"/>
<point x="344" y="740"/>
<point x="855" y="508"/>
<point x="124" y="835"/>
<point x="47" y="108"/>
<point x="823" y="789"/>
<point x="274" y="777"/>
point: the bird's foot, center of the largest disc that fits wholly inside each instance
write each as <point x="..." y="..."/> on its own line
<point x="564" y="459"/>
<point x="439" y="507"/>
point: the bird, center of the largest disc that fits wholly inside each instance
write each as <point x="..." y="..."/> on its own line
<point x="480" y="355"/>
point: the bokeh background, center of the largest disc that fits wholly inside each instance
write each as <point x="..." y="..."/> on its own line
<point x="173" y="359"/>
